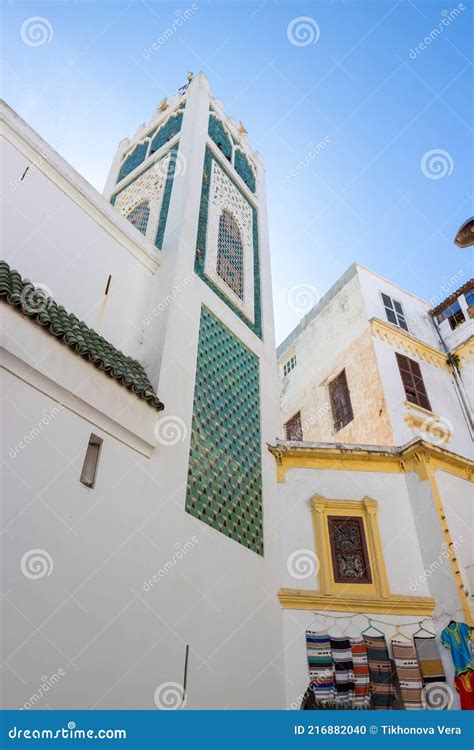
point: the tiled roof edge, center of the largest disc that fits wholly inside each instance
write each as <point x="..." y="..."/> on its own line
<point x="44" y="311"/>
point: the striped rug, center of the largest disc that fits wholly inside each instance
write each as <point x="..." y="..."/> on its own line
<point x="382" y="688"/>
<point x="361" y="673"/>
<point x="343" y="670"/>
<point x="321" y="666"/>
<point x="408" y="673"/>
<point x="431" y="666"/>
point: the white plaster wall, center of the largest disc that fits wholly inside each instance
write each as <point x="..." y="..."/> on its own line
<point x="395" y="517"/>
<point x="467" y="377"/>
<point x="441" y="393"/>
<point x="411" y="541"/>
<point x="221" y="597"/>
<point x="416" y="310"/>
<point x="457" y="496"/>
<point x="54" y="237"/>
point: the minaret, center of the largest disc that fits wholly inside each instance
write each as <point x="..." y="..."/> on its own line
<point x="191" y="184"/>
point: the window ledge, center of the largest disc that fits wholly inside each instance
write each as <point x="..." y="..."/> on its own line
<point x="434" y="427"/>
<point x="396" y="604"/>
<point x="422" y="410"/>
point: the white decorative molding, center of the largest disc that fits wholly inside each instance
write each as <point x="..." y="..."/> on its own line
<point x="223" y="195"/>
<point x="148" y="187"/>
<point x="409" y="344"/>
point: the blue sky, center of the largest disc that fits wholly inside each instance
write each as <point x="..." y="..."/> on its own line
<point x="362" y="86"/>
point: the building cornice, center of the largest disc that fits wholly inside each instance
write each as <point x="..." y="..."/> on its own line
<point x="409" y="344"/>
<point x="412" y="457"/>
<point x="43" y="156"/>
<point x="464" y="351"/>
<point x="395" y="604"/>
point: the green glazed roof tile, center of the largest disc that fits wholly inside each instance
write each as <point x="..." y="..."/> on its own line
<point x="43" y="310"/>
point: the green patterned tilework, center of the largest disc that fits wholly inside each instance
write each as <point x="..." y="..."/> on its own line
<point x="225" y="473"/>
<point x="132" y="161"/>
<point x="243" y="168"/>
<point x="219" y="135"/>
<point x="167" y="132"/>
<point x="199" y="265"/>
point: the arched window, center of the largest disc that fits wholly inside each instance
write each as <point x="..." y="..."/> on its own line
<point x="230" y="253"/>
<point x="139" y="216"/>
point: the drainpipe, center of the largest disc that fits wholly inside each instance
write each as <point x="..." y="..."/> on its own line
<point x="458" y="384"/>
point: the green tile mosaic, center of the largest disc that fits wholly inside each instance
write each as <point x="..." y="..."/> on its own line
<point x="160" y="137"/>
<point x="132" y="161"/>
<point x="225" y="473"/>
<point x="243" y="168"/>
<point x="219" y="135"/>
<point x="199" y="265"/>
<point x="167" y="132"/>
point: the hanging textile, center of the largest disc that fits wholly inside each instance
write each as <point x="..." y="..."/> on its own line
<point x="456" y="636"/>
<point x="408" y="673"/>
<point x="431" y="666"/>
<point x="382" y="689"/>
<point x="361" y="673"/>
<point x="464" y="684"/>
<point x="321" y="666"/>
<point x="343" y="671"/>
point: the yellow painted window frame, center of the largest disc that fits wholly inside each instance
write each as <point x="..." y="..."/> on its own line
<point x="366" y="509"/>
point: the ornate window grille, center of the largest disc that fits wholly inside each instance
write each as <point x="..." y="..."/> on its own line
<point x="230" y="253"/>
<point x="349" y="550"/>
<point x="139" y="216"/>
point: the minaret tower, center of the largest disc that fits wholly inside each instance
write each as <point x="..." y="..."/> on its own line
<point x="191" y="184"/>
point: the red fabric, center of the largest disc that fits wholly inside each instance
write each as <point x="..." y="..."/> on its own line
<point x="464" y="684"/>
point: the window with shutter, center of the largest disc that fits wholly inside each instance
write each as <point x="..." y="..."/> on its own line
<point x="340" y="399"/>
<point x="394" y="312"/>
<point x="412" y="380"/>
<point x="293" y="429"/>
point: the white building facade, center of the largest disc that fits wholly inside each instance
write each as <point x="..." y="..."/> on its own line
<point x="378" y="435"/>
<point x="140" y="545"/>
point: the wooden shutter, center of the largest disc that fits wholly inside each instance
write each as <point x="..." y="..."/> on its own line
<point x="293" y="428"/>
<point x="412" y="380"/>
<point x="340" y="399"/>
